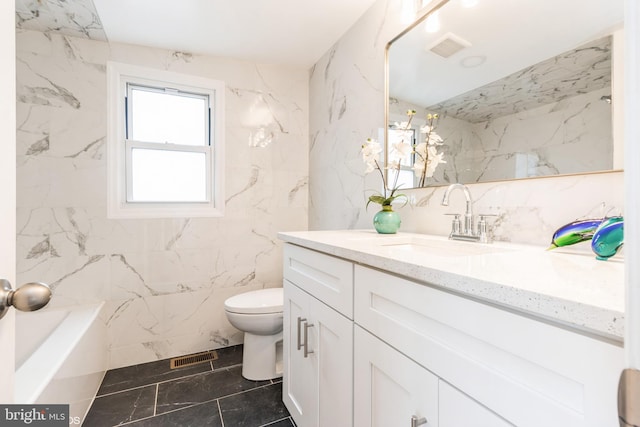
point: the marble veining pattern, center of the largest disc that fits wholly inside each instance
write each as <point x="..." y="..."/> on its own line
<point x="164" y="280"/>
<point x="69" y="17"/>
<point x="528" y="210"/>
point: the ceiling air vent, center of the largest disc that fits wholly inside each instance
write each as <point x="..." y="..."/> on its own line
<point x="448" y="45"/>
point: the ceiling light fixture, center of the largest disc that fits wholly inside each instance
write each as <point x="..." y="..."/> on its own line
<point x="469" y="3"/>
<point x="408" y="11"/>
<point x="432" y="24"/>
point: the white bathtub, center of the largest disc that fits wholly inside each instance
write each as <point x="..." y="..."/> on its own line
<point x="61" y="357"/>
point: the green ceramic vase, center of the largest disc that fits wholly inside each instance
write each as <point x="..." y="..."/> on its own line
<point x="386" y="221"/>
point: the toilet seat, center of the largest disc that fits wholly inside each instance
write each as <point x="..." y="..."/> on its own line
<point x="262" y="301"/>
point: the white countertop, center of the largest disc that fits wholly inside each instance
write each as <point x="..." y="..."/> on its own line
<point x="565" y="286"/>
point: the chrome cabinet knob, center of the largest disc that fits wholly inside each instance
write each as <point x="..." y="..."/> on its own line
<point x="415" y="421"/>
<point x="28" y="297"/>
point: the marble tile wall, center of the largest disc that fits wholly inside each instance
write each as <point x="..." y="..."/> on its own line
<point x="164" y="280"/>
<point x="347" y="106"/>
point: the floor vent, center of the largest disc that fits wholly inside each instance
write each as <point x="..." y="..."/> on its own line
<point x="193" y="359"/>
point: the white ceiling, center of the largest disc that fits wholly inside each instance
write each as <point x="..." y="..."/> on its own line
<point x="295" y="32"/>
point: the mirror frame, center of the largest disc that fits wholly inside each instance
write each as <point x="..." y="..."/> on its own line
<point x="422" y="15"/>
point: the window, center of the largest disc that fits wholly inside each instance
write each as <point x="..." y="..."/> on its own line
<point x="165" y="148"/>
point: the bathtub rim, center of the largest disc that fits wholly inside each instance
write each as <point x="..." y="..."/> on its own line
<point x="33" y="376"/>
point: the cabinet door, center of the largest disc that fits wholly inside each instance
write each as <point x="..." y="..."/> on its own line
<point x="389" y="388"/>
<point x="318" y="362"/>
<point x="332" y="341"/>
<point x="458" y="409"/>
<point x="299" y="379"/>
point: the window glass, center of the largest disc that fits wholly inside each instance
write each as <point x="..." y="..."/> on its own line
<point x="168" y="176"/>
<point x="162" y="116"/>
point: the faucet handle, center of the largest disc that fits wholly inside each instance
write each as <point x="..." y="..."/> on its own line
<point x="484" y="230"/>
<point x="455" y="223"/>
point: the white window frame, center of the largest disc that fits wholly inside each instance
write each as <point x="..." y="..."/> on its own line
<point x="119" y="148"/>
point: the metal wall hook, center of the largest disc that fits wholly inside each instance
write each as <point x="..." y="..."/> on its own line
<point x="28" y="297"/>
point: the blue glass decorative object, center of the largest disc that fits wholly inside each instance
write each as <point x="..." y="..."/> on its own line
<point x="608" y="238"/>
<point x="574" y="232"/>
<point x="387" y="221"/>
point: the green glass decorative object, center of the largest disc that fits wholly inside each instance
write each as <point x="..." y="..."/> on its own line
<point x="608" y="238"/>
<point x="574" y="232"/>
<point x="387" y="221"/>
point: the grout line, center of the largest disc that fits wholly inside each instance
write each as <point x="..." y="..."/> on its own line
<point x="155" y="403"/>
<point x="227" y="367"/>
<point x="273" y="422"/>
<point x="245" y="391"/>
<point x="220" y="412"/>
<point x="124" y="390"/>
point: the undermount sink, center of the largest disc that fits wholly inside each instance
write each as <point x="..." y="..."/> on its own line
<point x="440" y="247"/>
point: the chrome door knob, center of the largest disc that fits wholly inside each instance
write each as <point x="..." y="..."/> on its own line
<point x="28" y="297"/>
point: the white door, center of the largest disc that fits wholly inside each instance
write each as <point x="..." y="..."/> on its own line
<point x="389" y="388"/>
<point x="7" y="189"/>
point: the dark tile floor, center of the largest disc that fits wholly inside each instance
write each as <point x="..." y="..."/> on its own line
<point x="208" y="394"/>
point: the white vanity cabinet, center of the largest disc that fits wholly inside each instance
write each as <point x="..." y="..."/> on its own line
<point x="388" y="350"/>
<point x="318" y="339"/>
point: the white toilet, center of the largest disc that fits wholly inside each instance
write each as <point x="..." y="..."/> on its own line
<point x="259" y="315"/>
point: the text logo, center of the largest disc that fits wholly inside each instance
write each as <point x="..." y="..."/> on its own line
<point x="34" y="415"/>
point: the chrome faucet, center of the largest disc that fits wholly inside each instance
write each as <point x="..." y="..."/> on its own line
<point x="468" y="215"/>
<point x="467" y="233"/>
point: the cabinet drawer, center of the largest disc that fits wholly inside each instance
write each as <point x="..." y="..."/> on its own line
<point x="529" y="372"/>
<point x="327" y="278"/>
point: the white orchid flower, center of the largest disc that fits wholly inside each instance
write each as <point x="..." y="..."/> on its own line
<point x="426" y="129"/>
<point x="393" y="164"/>
<point x="434" y="139"/>
<point x="400" y="150"/>
<point x="371" y="152"/>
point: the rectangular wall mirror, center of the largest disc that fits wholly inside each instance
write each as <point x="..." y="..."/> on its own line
<point x="522" y="89"/>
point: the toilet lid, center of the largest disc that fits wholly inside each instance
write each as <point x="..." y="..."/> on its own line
<point x="256" y="302"/>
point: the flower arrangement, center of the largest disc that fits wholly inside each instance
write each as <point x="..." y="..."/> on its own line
<point x="426" y="159"/>
<point x="371" y="150"/>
